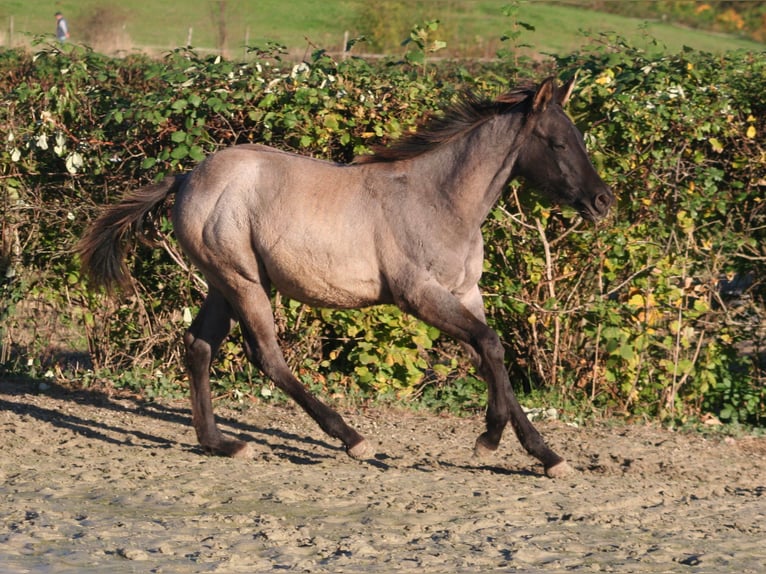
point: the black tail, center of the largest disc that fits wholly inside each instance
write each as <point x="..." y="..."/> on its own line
<point x="102" y="248"/>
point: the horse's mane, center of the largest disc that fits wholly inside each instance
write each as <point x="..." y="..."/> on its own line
<point x="469" y="111"/>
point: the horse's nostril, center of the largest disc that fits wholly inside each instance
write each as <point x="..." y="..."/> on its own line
<point x="603" y="201"/>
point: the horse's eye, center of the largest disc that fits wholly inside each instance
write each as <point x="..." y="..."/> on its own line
<point x="558" y="145"/>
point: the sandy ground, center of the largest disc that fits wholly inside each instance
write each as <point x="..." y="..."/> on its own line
<point x="91" y="483"/>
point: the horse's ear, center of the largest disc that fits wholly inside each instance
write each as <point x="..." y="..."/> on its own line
<point x="565" y="91"/>
<point x="544" y="96"/>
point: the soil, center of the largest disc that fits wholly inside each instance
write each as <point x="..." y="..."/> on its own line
<point x="95" y="483"/>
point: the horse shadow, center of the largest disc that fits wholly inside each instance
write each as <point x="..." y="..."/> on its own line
<point x="271" y="442"/>
<point x="298" y="449"/>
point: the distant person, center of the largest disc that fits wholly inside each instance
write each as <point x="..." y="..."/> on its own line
<point x="62" y="30"/>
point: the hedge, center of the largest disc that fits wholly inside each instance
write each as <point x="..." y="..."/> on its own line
<point x="656" y="313"/>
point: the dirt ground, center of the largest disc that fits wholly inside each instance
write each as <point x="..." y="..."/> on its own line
<point x="92" y="483"/>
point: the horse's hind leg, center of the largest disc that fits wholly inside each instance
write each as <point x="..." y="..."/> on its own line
<point x="253" y="309"/>
<point x="202" y="340"/>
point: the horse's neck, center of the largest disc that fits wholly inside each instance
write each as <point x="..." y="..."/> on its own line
<point x="471" y="172"/>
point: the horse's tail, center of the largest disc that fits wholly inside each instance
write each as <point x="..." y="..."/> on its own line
<point x="102" y="248"/>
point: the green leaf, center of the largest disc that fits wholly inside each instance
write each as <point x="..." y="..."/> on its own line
<point x="196" y="153"/>
<point x="215" y="104"/>
<point x="626" y="352"/>
<point x="364" y="374"/>
<point x="330" y="121"/>
<point x="415" y="57"/>
<point x="148" y="162"/>
<point x="180" y="152"/>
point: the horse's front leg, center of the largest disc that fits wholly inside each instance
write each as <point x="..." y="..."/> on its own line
<point x="464" y="320"/>
<point x="502" y="404"/>
<point x="202" y="340"/>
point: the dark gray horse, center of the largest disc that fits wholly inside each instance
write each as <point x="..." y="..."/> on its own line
<point x="401" y="226"/>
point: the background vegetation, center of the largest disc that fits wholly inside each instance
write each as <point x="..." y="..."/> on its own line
<point x="471" y="28"/>
<point x="658" y="313"/>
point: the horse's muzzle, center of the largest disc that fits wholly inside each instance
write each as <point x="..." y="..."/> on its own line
<point x="598" y="206"/>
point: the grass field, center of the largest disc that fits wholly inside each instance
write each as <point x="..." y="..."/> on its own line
<point x="471" y="27"/>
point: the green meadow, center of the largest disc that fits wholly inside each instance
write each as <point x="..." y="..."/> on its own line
<point x="471" y="28"/>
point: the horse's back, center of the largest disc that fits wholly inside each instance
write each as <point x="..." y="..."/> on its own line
<point x="248" y="179"/>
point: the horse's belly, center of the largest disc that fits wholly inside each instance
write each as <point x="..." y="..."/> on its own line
<point x="324" y="281"/>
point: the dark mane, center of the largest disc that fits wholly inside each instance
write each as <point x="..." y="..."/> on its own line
<point x="459" y="118"/>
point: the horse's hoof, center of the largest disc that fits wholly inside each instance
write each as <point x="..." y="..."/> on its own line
<point x="362" y="450"/>
<point x="559" y="470"/>
<point x="482" y="450"/>
<point x="243" y="451"/>
<point x="230" y="448"/>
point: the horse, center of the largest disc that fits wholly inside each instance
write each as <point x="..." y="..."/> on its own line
<point x="399" y="226"/>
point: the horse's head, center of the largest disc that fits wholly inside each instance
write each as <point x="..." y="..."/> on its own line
<point x="553" y="156"/>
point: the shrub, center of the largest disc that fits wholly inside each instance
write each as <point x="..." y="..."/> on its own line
<point x="632" y="316"/>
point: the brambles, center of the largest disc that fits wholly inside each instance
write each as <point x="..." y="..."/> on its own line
<point x="656" y="313"/>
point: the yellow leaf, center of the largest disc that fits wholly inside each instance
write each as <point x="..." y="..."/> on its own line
<point x="605" y="78"/>
<point x="716" y="145"/>
<point x="750" y="132"/>
<point x="637" y="301"/>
